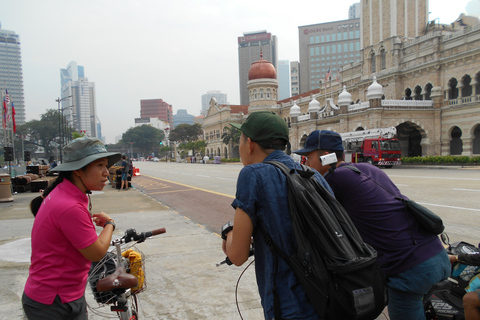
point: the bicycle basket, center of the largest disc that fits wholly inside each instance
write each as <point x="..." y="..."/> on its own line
<point x="136" y="267"/>
<point x="100" y="270"/>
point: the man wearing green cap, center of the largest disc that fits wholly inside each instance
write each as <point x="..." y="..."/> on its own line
<point x="262" y="198"/>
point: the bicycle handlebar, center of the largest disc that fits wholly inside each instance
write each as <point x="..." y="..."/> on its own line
<point x="133" y="235"/>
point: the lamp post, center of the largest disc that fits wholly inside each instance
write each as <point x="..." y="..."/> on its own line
<point x="60" y="116"/>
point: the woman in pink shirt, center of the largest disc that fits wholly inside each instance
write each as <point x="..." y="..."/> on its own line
<point x="64" y="238"/>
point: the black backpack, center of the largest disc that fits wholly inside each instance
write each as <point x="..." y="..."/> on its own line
<point x="337" y="270"/>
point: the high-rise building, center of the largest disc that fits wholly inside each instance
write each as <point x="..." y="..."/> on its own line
<point x="250" y="46"/>
<point x="324" y="49"/>
<point x="78" y="100"/>
<point x="156" y="108"/>
<point x="11" y="75"/>
<point x="295" y="78"/>
<point x="221" y="99"/>
<point x="354" y="11"/>
<point x="283" y="76"/>
<point x="182" y="116"/>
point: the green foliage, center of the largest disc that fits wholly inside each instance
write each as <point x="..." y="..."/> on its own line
<point x="195" y="147"/>
<point x="186" y="132"/>
<point x="230" y="160"/>
<point x="456" y="160"/>
<point x="231" y="134"/>
<point x="145" y="138"/>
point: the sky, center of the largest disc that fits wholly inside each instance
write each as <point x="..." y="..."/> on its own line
<point x="175" y="50"/>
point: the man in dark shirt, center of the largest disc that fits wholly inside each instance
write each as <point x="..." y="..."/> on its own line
<point x="413" y="259"/>
<point x="262" y="198"/>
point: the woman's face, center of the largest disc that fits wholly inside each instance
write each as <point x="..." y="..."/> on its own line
<point x="95" y="176"/>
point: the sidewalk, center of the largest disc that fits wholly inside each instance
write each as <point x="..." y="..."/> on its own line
<point x="183" y="281"/>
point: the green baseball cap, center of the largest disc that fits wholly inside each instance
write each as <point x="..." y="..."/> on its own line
<point x="82" y="151"/>
<point x="263" y="127"/>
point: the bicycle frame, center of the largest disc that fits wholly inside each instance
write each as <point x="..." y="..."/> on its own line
<point x="119" y="288"/>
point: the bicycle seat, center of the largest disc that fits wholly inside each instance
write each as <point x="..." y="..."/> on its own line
<point x="117" y="280"/>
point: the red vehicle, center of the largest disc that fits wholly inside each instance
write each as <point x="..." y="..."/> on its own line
<point x="375" y="146"/>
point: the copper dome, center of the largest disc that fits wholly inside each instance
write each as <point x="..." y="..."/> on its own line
<point x="262" y="69"/>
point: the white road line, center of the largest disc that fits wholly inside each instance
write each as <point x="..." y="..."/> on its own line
<point x="461" y="189"/>
<point x="426" y="177"/>
<point x="226" y="179"/>
<point x="401" y="185"/>
<point x="444" y="206"/>
<point x="201" y="175"/>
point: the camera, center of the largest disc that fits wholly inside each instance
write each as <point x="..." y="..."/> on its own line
<point x="226" y="229"/>
<point x="328" y="159"/>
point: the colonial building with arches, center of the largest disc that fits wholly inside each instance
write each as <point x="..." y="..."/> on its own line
<point x="416" y="75"/>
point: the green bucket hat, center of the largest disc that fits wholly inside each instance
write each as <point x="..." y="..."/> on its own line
<point x="82" y="151"/>
<point x="264" y="127"/>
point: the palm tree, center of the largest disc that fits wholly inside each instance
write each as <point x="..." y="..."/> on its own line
<point x="231" y="135"/>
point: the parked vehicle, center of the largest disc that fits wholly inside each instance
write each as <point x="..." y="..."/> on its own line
<point x="376" y="146"/>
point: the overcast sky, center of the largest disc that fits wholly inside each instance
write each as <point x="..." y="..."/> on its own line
<point x="174" y="50"/>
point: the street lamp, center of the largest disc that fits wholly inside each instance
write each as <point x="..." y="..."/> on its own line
<point x="60" y="116"/>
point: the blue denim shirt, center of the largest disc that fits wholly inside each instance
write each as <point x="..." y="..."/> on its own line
<point x="262" y="193"/>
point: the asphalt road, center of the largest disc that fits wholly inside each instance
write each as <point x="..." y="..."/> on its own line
<point x="451" y="192"/>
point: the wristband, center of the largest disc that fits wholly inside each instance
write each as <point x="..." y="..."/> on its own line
<point x="226" y="229"/>
<point x="110" y="222"/>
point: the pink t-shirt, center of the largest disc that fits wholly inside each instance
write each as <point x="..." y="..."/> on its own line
<point x="62" y="226"/>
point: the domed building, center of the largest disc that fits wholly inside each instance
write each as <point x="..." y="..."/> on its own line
<point x="262" y="85"/>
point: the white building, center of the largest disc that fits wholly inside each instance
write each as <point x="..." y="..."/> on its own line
<point x="221" y="98"/>
<point x="78" y="100"/>
<point x="11" y="75"/>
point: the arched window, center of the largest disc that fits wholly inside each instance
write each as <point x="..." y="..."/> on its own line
<point x="428" y="91"/>
<point x="453" y="93"/>
<point x="408" y="94"/>
<point x="373" y="68"/>
<point x="477" y="84"/>
<point x="467" y="87"/>
<point x="418" y="93"/>
<point x="383" y="58"/>
<point x="456" y="144"/>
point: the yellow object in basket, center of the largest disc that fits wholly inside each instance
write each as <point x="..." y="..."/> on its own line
<point x="135" y="259"/>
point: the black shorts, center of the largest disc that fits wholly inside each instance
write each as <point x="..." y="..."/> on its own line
<point x="75" y="310"/>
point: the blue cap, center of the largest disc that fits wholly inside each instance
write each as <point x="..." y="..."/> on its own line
<point x="322" y="140"/>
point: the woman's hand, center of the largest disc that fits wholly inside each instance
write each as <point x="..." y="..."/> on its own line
<point x="101" y="218"/>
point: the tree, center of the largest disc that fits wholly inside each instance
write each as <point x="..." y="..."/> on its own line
<point x="42" y="133"/>
<point x="145" y="138"/>
<point x="231" y="135"/>
<point x="165" y="152"/>
<point x="186" y="132"/>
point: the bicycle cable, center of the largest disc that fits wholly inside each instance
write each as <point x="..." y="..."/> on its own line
<point x="236" y="287"/>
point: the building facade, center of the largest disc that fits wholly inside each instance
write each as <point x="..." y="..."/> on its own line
<point x="420" y="77"/>
<point x="78" y="100"/>
<point x="221" y="98"/>
<point x="324" y="48"/>
<point x="11" y="72"/>
<point x="182" y="116"/>
<point x="157" y="108"/>
<point x="354" y="11"/>
<point x="295" y="78"/>
<point x="250" y="46"/>
<point x="284" y="78"/>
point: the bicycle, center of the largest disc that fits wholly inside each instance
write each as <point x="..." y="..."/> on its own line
<point x="116" y="280"/>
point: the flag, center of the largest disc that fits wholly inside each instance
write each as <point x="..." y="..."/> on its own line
<point x="328" y="75"/>
<point x="13" y="119"/>
<point x="338" y="74"/>
<point x="7" y="96"/>
<point x="4" y="119"/>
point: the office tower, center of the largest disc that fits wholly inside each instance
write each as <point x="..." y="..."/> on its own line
<point x="283" y="76"/>
<point x="221" y="99"/>
<point x="473" y="8"/>
<point x="156" y="108"/>
<point x="78" y="100"/>
<point x="182" y="116"/>
<point x="250" y="46"/>
<point x="327" y="47"/>
<point x="354" y="11"/>
<point x="11" y="75"/>
<point x="295" y="77"/>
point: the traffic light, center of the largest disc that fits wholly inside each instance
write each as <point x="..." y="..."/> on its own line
<point x="8" y="153"/>
<point x="161" y="143"/>
<point x="26" y="156"/>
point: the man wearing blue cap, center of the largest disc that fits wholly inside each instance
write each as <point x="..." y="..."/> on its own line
<point x="412" y="259"/>
<point x="262" y="198"/>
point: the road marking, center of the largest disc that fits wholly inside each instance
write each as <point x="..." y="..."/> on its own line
<point x="226" y="179"/>
<point x="186" y="185"/>
<point x="427" y="177"/>
<point x="169" y="191"/>
<point x="401" y="185"/>
<point x="201" y="175"/>
<point x="460" y="189"/>
<point x="445" y="206"/>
